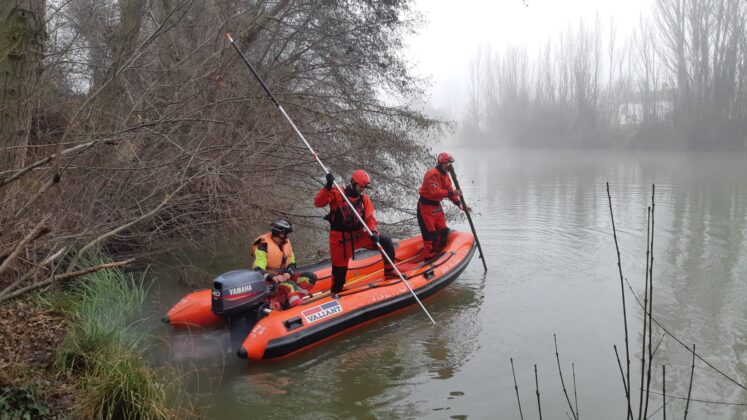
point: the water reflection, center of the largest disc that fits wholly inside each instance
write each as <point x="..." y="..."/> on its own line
<point x="369" y="373"/>
<point x="543" y="219"/>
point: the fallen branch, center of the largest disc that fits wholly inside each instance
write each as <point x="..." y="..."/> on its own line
<point x="38" y="231"/>
<point x="20" y="280"/>
<point x="31" y="272"/>
<point x="19" y="173"/>
<point x="65" y="276"/>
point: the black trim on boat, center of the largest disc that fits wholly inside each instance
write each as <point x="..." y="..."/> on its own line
<point x="283" y="346"/>
<point x="360" y="254"/>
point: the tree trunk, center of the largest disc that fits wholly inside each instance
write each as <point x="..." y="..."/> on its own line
<point x="21" y="42"/>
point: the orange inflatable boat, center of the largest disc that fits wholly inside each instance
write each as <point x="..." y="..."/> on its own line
<point x="239" y="299"/>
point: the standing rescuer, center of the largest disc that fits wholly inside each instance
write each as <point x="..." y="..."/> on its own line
<point x="274" y="257"/>
<point x="431" y="219"/>
<point x="346" y="233"/>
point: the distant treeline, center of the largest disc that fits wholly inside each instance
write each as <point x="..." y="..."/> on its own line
<point x="679" y="81"/>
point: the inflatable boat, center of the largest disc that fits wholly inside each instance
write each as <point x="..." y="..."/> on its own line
<point x="239" y="299"/>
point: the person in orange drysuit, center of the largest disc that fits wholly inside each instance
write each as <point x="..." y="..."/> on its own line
<point x="436" y="187"/>
<point x="346" y="233"/>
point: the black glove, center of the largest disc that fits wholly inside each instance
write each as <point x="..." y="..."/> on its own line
<point x="375" y="238"/>
<point x="330" y="181"/>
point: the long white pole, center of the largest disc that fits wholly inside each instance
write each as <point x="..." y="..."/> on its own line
<point x="326" y="171"/>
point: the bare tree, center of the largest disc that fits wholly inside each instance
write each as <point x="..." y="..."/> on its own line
<point x="21" y="43"/>
<point x="149" y="130"/>
<point x="679" y="81"/>
<point x="472" y="128"/>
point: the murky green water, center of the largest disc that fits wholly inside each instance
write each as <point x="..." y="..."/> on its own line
<point x="543" y="220"/>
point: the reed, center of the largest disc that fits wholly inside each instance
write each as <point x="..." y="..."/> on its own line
<point x="119" y="385"/>
<point x="645" y="315"/>
<point x="537" y="387"/>
<point x="575" y="394"/>
<point x="690" y="387"/>
<point x="664" y="390"/>
<point x="516" y="387"/>
<point x="622" y="374"/>
<point x="650" y="311"/>
<point x="648" y="350"/>
<point x="625" y="313"/>
<point x="106" y="349"/>
<point x="562" y="382"/>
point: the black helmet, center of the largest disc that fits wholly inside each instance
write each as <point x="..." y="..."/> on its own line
<point x="281" y="226"/>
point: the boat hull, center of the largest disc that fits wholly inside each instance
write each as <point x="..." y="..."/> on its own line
<point x="368" y="296"/>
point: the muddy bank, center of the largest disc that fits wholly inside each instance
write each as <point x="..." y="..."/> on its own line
<point x="29" y="336"/>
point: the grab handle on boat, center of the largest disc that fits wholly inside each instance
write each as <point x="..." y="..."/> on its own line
<point x="326" y="171"/>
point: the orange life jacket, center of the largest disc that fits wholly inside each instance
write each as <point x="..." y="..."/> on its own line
<point x="277" y="258"/>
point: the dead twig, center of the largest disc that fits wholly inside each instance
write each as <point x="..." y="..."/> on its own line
<point x="516" y="387"/>
<point x="31" y="272"/>
<point x="575" y="395"/>
<point x="625" y="314"/>
<point x="38" y="231"/>
<point x="690" y="387"/>
<point x="66" y="276"/>
<point x="709" y="364"/>
<point x="117" y="230"/>
<point x="562" y="382"/>
<point x="19" y="173"/>
<point x="645" y="315"/>
<point x="650" y="303"/>
<point x="536" y="383"/>
<point x="664" y="390"/>
<point x="622" y="374"/>
<point x="18" y="281"/>
<point x="656" y="349"/>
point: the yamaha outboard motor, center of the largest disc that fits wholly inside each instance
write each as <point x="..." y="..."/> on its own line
<point x="238" y="296"/>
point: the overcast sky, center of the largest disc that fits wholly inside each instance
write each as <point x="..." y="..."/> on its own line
<point x="454" y="30"/>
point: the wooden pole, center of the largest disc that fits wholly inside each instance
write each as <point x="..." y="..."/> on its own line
<point x="469" y="218"/>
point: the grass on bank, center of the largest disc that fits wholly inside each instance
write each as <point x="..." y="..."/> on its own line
<point x="104" y="347"/>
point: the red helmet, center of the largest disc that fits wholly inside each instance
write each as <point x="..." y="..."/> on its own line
<point x="444" y="158"/>
<point x="361" y="178"/>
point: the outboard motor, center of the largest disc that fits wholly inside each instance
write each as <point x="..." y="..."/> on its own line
<point x="238" y="297"/>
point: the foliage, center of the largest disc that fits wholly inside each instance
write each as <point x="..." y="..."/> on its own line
<point x="101" y="309"/>
<point x="119" y="385"/>
<point x="104" y="345"/>
<point x="21" y="403"/>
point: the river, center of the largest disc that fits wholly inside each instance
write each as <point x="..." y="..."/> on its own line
<point x="543" y="220"/>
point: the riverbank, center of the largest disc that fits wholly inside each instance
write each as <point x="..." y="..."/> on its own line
<point x="29" y="384"/>
<point x="75" y="351"/>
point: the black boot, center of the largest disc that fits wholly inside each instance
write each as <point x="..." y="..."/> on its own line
<point x="338" y="279"/>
